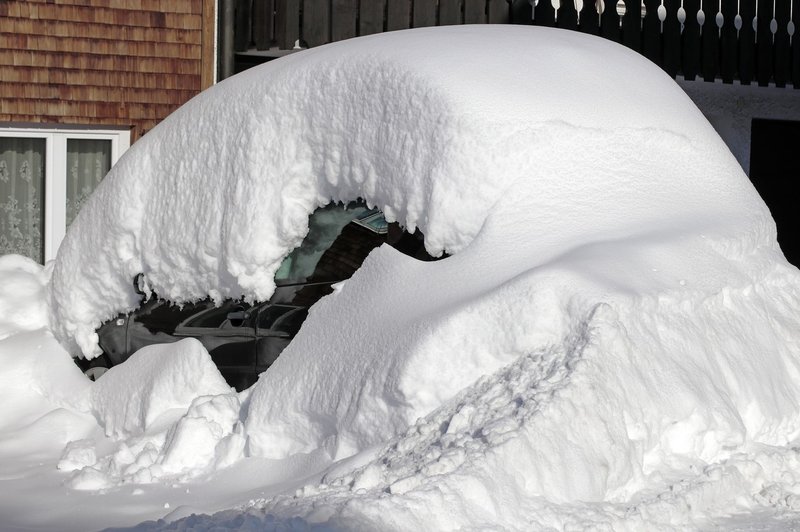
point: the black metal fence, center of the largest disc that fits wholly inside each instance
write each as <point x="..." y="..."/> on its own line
<point x="752" y="41"/>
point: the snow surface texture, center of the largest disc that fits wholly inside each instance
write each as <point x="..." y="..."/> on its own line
<point x="614" y="341"/>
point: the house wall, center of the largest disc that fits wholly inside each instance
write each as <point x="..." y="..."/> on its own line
<point x="103" y="62"/>
<point x="731" y="109"/>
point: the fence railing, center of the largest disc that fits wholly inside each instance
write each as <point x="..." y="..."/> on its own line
<point x="753" y="41"/>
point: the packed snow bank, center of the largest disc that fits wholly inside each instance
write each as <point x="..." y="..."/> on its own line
<point x="170" y="414"/>
<point x="616" y="313"/>
<point x="157" y="378"/>
<point x="33" y="364"/>
<point x="22" y="307"/>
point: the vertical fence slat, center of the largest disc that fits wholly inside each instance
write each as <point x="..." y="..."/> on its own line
<point x="632" y="25"/>
<point x="316" y="22"/>
<point x="522" y="12"/>
<point x="544" y="14"/>
<point x="728" y="44"/>
<point x="710" y="40"/>
<point x="499" y="12"/>
<point x="343" y="19"/>
<point x="764" y="43"/>
<point x="796" y="45"/>
<point x="474" y="11"/>
<point x="263" y="23"/>
<point x="672" y="38"/>
<point x="241" y="35"/>
<point x="782" y="52"/>
<point x="567" y="16"/>
<point x="449" y="12"/>
<point x="609" y="21"/>
<point x="589" y="20"/>
<point x="370" y="17"/>
<point x="651" y="32"/>
<point x="747" y="39"/>
<point x="287" y="23"/>
<point x="424" y="13"/>
<point x="398" y="15"/>
<point x="690" y="40"/>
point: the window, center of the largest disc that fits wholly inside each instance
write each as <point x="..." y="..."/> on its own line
<point x="45" y="177"/>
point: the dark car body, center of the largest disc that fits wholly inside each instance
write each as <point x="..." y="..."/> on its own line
<point x="245" y="339"/>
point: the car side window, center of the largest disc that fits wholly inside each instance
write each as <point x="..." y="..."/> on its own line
<point x="281" y="319"/>
<point x="158" y="315"/>
<point x="231" y="314"/>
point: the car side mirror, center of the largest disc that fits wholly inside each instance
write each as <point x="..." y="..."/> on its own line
<point x="139" y="285"/>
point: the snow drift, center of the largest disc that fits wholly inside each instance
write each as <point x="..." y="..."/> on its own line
<point x="616" y="312"/>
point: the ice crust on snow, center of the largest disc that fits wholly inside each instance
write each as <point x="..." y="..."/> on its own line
<point x="613" y="341"/>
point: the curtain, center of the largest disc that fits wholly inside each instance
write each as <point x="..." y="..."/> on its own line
<point x="22" y="196"/>
<point x="88" y="161"/>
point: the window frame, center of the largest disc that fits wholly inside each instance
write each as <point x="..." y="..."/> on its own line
<point x="55" y="170"/>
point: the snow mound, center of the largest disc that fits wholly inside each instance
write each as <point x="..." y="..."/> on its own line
<point x="131" y="397"/>
<point x="22" y="307"/>
<point x="616" y="313"/>
<point x="170" y="414"/>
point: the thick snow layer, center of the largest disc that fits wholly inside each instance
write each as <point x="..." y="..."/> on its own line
<point x="614" y="341"/>
<point x="213" y="198"/>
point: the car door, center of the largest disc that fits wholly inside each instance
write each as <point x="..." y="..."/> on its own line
<point x="228" y="334"/>
<point x="277" y="324"/>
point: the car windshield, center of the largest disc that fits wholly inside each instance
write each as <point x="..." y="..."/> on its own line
<point x="329" y="252"/>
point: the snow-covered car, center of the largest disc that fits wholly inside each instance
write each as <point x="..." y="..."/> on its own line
<point x="612" y="342"/>
<point x="245" y="338"/>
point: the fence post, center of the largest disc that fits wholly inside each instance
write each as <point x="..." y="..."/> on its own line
<point x="782" y="45"/>
<point x="729" y="46"/>
<point x="632" y="25"/>
<point x="567" y="16"/>
<point x="672" y="38"/>
<point x="474" y="11"/>
<point x="370" y="17"/>
<point x="747" y="39"/>
<point x="287" y="23"/>
<point x="544" y="14"/>
<point x="690" y="40"/>
<point x="651" y="32"/>
<point x="398" y="15"/>
<point x="589" y="21"/>
<point x="521" y="12"/>
<point x="263" y="23"/>
<point x="316" y="22"/>
<point x="424" y="13"/>
<point x="449" y="12"/>
<point x="796" y="45"/>
<point x="764" y="43"/>
<point x="609" y="21"/>
<point x="343" y="19"/>
<point x="710" y="39"/>
<point x="499" y="12"/>
<point x="241" y="35"/>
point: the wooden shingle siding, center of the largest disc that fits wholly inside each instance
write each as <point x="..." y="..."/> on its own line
<point x="103" y="62"/>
